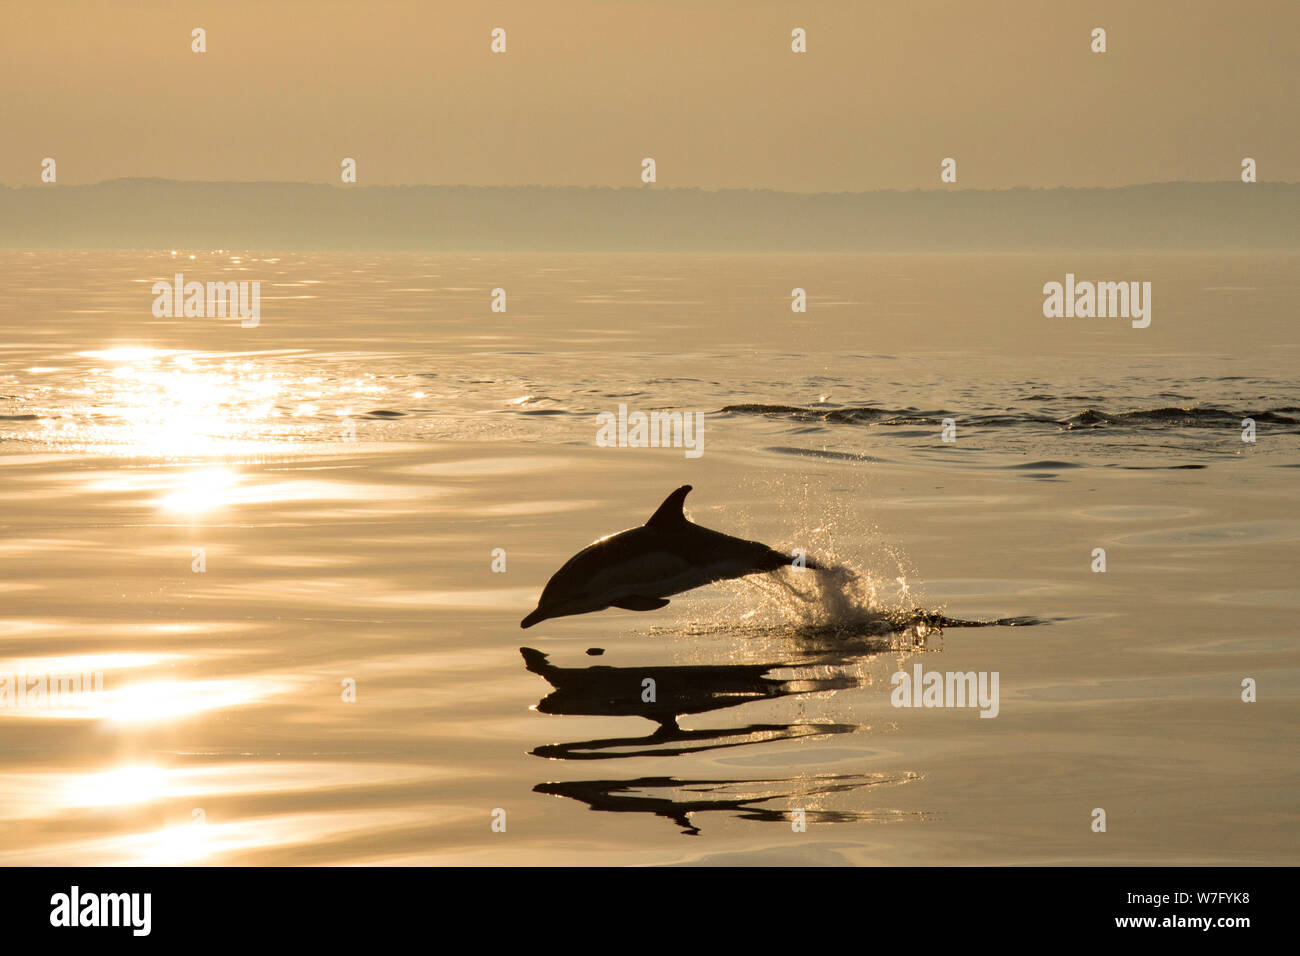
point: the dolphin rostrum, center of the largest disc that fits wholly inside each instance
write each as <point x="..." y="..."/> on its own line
<point x="637" y="569"/>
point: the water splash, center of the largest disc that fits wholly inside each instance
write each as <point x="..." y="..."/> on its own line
<point x="838" y="604"/>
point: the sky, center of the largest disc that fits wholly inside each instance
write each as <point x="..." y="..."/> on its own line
<point x="710" y="89"/>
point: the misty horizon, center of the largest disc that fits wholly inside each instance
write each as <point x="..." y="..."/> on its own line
<point x="143" y="213"/>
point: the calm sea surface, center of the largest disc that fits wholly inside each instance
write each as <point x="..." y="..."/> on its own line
<point x="276" y="547"/>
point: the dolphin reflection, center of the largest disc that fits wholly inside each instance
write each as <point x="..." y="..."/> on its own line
<point x="676" y="800"/>
<point x="602" y="690"/>
<point x="828" y="658"/>
<point x="606" y="691"/>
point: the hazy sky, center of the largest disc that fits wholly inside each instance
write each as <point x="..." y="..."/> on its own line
<point x="709" y="88"/>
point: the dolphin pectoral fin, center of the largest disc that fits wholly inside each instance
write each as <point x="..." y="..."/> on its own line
<point x="638" y="603"/>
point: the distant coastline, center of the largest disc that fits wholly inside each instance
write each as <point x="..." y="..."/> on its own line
<point x="161" y="213"/>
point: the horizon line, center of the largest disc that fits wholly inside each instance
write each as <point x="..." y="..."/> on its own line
<point x="641" y="188"/>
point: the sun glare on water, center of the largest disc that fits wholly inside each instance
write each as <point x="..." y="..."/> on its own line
<point x="134" y="401"/>
<point x="123" y="785"/>
<point x="176" y="404"/>
<point x="201" y="489"/>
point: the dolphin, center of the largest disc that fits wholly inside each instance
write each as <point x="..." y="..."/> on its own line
<point x="637" y="569"/>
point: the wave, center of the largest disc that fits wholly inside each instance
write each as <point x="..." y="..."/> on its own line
<point x="1196" y="416"/>
<point x="851" y="414"/>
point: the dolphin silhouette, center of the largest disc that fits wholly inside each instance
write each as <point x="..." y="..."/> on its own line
<point x="636" y="569"/>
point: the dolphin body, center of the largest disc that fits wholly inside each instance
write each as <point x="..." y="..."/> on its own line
<point x="637" y="569"/>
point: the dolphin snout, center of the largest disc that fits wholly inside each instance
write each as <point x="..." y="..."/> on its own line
<point x="534" y="617"/>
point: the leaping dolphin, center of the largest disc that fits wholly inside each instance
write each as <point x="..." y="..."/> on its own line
<point x="637" y="569"/>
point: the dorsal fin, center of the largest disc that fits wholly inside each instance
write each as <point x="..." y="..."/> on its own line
<point x="670" y="514"/>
